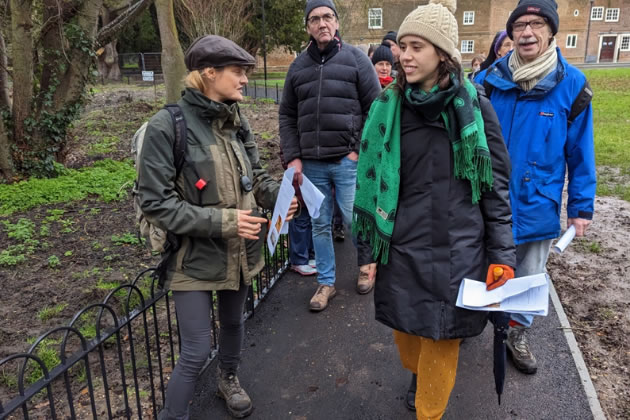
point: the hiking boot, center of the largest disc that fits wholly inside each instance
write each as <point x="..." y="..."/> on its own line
<point x="518" y="347"/>
<point x="364" y="284"/>
<point x="410" y="400"/>
<point x="304" y="270"/>
<point x="237" y="401"/>
<point x="320" y="299"/>
<point x="338" y="233"/>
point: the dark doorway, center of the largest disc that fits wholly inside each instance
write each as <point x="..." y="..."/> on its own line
<point x="607" y="53"/>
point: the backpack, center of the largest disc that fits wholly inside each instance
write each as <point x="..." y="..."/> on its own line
<point x="155" y="238"/>
<point x="579" y="103"/>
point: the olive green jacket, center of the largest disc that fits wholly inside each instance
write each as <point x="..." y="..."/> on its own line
<point x="212" y="255"/>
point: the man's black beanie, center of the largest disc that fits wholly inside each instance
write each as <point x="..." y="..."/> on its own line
<point x="314" y="4"/>
<point x="391" y="35"/>
<point x="544" y="8"/>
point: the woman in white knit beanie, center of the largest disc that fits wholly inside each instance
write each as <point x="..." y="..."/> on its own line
<point x="432" y="200"/>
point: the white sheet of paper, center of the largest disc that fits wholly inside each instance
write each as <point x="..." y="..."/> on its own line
<point x="312" y="196"/>
<point x="280" y="210"/>
<point x="526" y="295"/>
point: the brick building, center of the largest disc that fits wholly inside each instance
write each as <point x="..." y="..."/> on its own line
<point x="602" y="24"/>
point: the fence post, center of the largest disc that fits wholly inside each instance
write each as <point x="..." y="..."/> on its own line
<point x="255" y="89"/>
<point x="277" y="94"/>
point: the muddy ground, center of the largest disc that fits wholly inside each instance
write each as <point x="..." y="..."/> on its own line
<point x="91" y="239"/>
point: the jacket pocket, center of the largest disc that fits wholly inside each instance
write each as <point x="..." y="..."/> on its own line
<point x="204" y="162"/>
<point x="255" y="248"/>
<point x="539" y="212"/>
<point x="206" y="259"/>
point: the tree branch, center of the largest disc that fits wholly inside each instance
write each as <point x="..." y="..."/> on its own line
<point x="111" y="30"/>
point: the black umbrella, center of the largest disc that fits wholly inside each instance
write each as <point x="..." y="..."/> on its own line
<point x="501" y="324"/>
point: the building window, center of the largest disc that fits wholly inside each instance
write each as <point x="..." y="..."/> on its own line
<point x="571" y="41"/>
<point x="375" y="18"/>
<point x="469" y="18"/>
<point x="612" y="15"/>
<point x="468" y="46"/>
<point x="597" y="13"/>
<point x="625" y="43"/>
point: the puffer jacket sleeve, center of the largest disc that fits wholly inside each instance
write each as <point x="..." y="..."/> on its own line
<point x="265" y="187"/>
<point x="369" y="86"/>
<point x="580" y="155"/>
<point x="288" y="118"/>
<point x="495" y="204"/>
<point x="158" y="196"/>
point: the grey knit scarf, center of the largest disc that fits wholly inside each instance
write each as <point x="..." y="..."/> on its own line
<point x="527" y="75"/>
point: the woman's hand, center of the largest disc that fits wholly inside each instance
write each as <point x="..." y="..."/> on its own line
<point x="249" y="226"/>
<point x="292" y="209"/>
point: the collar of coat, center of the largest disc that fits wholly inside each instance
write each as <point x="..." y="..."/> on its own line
<point x="499" y="75"/>
<point x="333" y="47"/>
<point x="206" y="108"/>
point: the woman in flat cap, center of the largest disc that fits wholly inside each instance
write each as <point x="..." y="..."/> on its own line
<point x="432" y="199"/>
<point x="211" y="204"/>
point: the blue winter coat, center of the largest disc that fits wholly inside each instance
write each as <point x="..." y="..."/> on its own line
<point x="542" y="145"/>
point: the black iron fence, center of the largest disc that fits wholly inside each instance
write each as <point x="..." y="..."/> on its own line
<point x="114" y="358"/>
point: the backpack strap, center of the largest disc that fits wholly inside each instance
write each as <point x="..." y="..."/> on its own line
<point x="488" y="88"/>
<point x="580" y="103"/>
<point x="179" y="148"/>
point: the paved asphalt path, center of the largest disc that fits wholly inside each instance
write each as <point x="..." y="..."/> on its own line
<point x="342" y="364"/>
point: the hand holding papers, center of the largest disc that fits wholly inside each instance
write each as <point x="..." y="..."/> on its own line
<point x="525" y="295"/>
<point x="280" y="211"/>
<point x="564" y="241"/>
<point x="312" y="197"/>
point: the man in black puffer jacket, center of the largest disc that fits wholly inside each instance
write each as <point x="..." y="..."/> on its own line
<point x="327" y="94"/>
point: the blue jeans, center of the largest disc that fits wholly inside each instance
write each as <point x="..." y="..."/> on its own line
<point x="531" y="258"/>
<point x="300" y="238"/>
<point x="324" y="175"/>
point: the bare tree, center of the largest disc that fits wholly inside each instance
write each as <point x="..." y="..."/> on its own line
<point x="173" y="65"/>
<point x="219" y="17"/>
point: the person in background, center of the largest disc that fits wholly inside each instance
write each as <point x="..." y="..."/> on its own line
<point x="475" y="66"/>
<point x="501" y="45"/>
<point x="544" y="107"/>
<point x="321" y="117"/>
<point x="436" y="210"/>
<point x="371" y="50"/>
<point x="217" y="222"/>
<point x="383" y="60"/>
<point x="390" y="40"/>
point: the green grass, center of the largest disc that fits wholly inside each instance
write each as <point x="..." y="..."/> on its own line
<point x="107" y="179"/>
<point x="271" y="83"/>
<point x="611" y="118"/>
<point x="49" y="312"/>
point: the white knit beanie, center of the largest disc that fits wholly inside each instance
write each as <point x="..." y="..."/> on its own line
<point x="435" y="23"/>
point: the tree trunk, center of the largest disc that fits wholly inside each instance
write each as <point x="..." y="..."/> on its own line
<point x="173" y="66"/>
<point x="108" y="61"/>
<point x="5" y="100"/>
<point x="6" y="164"/>
<point x="21" y="27"/>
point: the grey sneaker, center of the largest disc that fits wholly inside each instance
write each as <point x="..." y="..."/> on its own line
<point x="237" y="401"/>
<point x="518" y="347"/>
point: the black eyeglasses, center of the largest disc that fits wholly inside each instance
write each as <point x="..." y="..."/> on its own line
<point x="534" y="24"/>
<point x="314" y="20"/>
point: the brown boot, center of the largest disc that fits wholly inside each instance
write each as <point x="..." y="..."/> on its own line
<point x="364" y="284"/>
<point x="237" y="401"/>
<point x="320" y="299"/>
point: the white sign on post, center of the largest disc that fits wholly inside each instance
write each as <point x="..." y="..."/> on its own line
<point x="147" y="76"/>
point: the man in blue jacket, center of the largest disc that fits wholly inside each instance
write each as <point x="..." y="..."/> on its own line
<point x="327" y="94"/>
<point x="543" y="105"/>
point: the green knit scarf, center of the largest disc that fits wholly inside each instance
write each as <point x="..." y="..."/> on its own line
<point x="378" y="171"/>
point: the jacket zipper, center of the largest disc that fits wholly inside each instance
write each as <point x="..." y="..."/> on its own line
<point x="319" y="97"/>
<point x="442" y="321"/>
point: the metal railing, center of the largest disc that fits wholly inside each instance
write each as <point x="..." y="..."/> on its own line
<point x="113" y="358"/>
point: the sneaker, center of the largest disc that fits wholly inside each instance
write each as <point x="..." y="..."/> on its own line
<point x="338" y="233"/>
<point x="410" y="400"/>
<point x="238" y="403"/>
<point x="304" y="270"/>
<point x="364" y="284"/>
<point x="320" y="299"/>
<point x="312" y="263"/>
<point x="518" y="347"/>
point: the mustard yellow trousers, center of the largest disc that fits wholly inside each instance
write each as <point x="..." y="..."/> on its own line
<point x="435" y="363"/>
